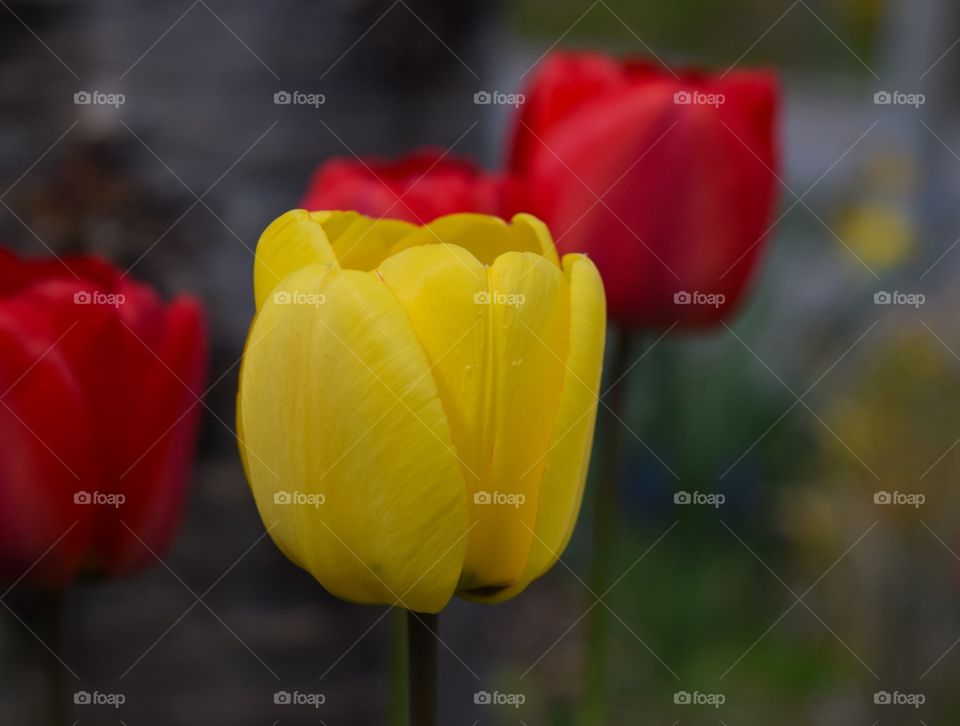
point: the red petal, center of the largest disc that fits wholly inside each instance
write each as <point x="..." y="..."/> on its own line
<point x="419" y="187"/>
<point x="688" y="191"/>
<point x="157" y="451"/>
<point x="562" y="83"/>
<point x="48" y="455"/>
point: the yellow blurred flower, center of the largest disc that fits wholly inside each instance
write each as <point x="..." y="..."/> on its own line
<point x="879" y="234"/>
<point x="893" y="428"/>
<point x="877" y="224"/>
<point x="417" y="404"/>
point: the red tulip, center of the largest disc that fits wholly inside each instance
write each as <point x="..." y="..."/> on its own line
<point x="668" y="183"/>
<point x="417" y="188"/>
<point x="98" y="417"/>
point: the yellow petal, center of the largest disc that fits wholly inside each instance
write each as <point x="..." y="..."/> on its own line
<point x="567" y="455"/>
<point x="300" y="238"/>
<point x="337" y="401"/>
<point x="437" y="286"/>
<point x="485" y="236"/>
<point x="496" y="339"/>
<point x="359" y="242"/>
<point x="533" y="233"/>
<point x="293" y="240"/>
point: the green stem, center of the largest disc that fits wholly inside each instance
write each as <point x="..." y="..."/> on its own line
<point x="47" y="623"/>
<point x="609" y="467"/>
<point x="399" y="673"/>
<point x="422" y="660"/>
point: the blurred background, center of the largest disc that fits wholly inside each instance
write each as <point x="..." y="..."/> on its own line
<point x="798" y="598"/>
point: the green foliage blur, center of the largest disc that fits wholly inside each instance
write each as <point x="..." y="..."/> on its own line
<point x="715" y="33"/>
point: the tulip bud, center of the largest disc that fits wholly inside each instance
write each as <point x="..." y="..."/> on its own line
<point x="99" y="381"/>
<point x="418" y="187"/>
<point x="667" y="180"/>
<point x="417" y="404"/>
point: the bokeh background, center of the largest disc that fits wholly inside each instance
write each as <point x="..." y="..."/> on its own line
<point x="798" y="599"/>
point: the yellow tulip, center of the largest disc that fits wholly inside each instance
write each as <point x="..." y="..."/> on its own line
<point x="417" y="404"/>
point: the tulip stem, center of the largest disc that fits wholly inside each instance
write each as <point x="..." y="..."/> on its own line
<point x="399" y="672"/>
<point x="422" y="667"/>
<point x="609" y="468"/>
<point x="48" y="625"/>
